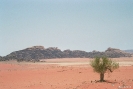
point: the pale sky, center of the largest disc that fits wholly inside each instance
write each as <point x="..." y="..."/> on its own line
<point x="67" y="24"/>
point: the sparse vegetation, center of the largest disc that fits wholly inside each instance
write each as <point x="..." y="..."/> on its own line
<point x="103" y="65"/>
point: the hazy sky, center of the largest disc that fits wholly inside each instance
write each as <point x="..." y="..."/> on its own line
<point x="67" y="24"/>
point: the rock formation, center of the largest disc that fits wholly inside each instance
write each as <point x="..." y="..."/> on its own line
<point x="0" y="58"/>
<point x="112" y="52"/>
<point x="36" y="53"/>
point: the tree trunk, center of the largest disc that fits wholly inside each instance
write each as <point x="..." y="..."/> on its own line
<point x="101" y="77"/>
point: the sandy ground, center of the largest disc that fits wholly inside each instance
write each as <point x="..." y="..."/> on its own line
<point x="68" y="73"/>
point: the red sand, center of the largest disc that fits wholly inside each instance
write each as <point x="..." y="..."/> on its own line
<point x="47" y="76"/>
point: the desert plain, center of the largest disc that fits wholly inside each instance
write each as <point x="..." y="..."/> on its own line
<point x="65" y="73"/>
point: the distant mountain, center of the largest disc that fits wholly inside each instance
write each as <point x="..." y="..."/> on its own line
<point x="36" y="53"/>
<point x="115" y="53"/>
<point x="129" y="51"/>
<point x="111" y="53"/>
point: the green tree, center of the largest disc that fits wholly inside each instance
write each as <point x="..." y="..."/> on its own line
<point x="103" y="65"/>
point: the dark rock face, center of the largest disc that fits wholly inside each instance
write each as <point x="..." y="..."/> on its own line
<point x="36" y="53"/>
<point x="0" y="58"/>
<point x="75" y="54"/>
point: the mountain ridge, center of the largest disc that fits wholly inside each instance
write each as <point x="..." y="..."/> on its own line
<point x="35" y="53"/>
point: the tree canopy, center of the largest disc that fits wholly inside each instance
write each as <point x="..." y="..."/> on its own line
<point x="102" y="65"/>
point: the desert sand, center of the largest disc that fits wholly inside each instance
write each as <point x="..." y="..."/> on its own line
<point x="67" y="73"/>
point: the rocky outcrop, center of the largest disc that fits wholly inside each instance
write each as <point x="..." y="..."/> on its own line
<point x="115" y="53"/>
<point x="74" y="54"/>
<point x="36" y="53"/>
<point x="35" y="48"/>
